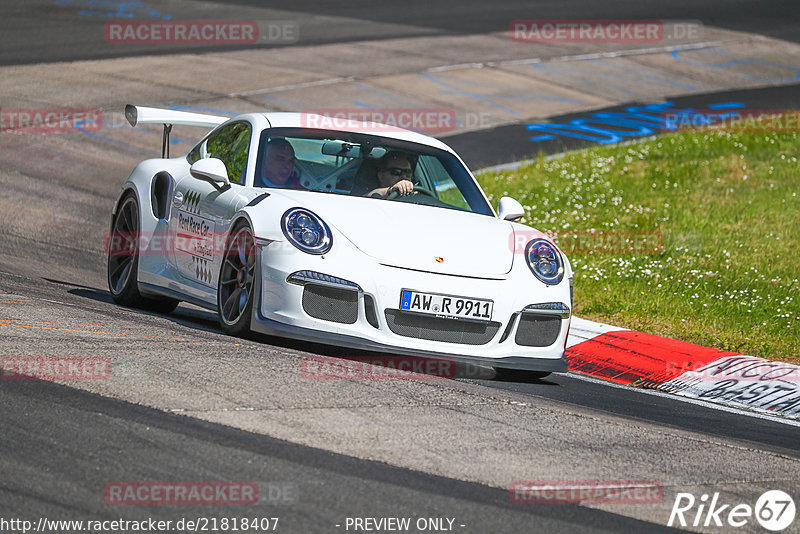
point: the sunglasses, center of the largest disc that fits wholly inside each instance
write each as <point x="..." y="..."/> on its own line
<point x="397" y="171"/>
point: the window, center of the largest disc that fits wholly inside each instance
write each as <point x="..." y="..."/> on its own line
<point x="348" y="163"/>
<point x="195" y="154"/>
<point x="439" y="180"/>
<point x="231" y="144"/>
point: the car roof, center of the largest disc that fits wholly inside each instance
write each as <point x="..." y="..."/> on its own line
<point x="314" y="121"/>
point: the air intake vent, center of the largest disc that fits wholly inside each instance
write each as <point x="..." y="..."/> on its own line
<point x="537" y="330"/>
<point x="330" y="304"/>
<point x="445" y="330"/>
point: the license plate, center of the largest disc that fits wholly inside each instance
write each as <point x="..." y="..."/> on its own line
<point x="446" y="306"/>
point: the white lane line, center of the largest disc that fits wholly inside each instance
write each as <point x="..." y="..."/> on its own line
<point x="585" y="57"/>
<point x="492" y="64"/>
<point x="329" y="81"/>
<point x="458" y="66"/>
<point x="698" y="402"/>
<point x="613" y="53"/>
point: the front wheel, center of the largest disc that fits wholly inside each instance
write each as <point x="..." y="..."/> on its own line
<point x="237" y="278"/>
<point x="123" y="260"/>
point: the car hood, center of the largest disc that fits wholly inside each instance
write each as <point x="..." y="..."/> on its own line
<point x="411" y="236"/>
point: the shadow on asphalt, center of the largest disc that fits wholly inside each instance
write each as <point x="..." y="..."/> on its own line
<point x="196" y="318"/>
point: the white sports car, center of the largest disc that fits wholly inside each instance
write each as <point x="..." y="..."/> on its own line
<point x="363" y="235"/>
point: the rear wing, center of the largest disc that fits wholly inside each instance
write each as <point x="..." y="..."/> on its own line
<point x="142" y="115"/>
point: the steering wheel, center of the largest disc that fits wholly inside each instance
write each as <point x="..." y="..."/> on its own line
<point x="394" y="193"/>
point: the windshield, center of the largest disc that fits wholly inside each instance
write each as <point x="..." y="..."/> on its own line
<point x="365" y="165"/>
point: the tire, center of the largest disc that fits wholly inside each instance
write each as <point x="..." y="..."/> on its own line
<point x="518" y="375"/>
<point x="123" y="260"/>
<point x="237" y="282"/>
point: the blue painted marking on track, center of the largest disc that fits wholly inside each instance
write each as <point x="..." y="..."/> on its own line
<point x="635" y="121"/>
<point x="638" y="75"/>
<point x="488" y="98"/>
<point x="476" y="96"/>
<point x="364" y="105"/>
<point x="80" y="125"/>
<point x="386" y="94"/>
<point x="113" y="8"/>
<point x="728" y="64"/>
<point x="726" y="105"/>
<point x="93" y="135"/>
<point x="574" y="74"/>
<point x="592" y="76"/>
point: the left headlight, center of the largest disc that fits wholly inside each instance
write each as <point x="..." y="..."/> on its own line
<point x="544" y="261"/>
<point x="306" y="231"/>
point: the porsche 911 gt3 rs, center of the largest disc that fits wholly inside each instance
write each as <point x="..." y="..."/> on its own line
<point x="297" y="231"/>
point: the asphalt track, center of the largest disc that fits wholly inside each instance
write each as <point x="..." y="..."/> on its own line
<point x="511" y="143"/>
<point x="180" y="409"/>
<point x="105" y="439"/>
<point x="39" y="30"/>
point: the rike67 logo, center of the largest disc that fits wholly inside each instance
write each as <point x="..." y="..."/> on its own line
<point x="774" y="510"/>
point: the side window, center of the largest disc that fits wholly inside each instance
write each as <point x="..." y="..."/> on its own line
<point x="440" y="181"/>
<point x="231" y="144"/>
<point x="194" y="155"/>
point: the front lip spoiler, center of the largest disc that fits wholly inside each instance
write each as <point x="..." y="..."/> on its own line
<point x="274" y="328"/>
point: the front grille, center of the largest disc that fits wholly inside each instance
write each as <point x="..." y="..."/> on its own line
<point x="436" y="329"/>
<point x="537" y="330"/>
<point x="330" y="304"/>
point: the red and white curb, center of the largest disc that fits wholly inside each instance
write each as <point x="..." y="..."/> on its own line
<point x="643" y="360"/>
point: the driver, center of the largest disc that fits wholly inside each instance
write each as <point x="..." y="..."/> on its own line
<point x="394" y="174"/>
<point x="278" y="166"/>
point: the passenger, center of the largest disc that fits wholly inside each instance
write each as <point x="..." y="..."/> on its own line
<point x="278" y="166"/>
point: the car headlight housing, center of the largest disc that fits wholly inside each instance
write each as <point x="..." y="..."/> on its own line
<point x="306" y="231"/>
<point x="544" y="261"/>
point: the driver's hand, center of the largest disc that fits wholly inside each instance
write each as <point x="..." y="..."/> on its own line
<point x="404" y="187"/>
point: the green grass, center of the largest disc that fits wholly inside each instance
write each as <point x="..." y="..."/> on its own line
<point x="727" y="209"/>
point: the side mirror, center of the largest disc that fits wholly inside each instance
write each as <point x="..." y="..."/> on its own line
<point x="509" y="209"/>
<point x="211" y="170"/>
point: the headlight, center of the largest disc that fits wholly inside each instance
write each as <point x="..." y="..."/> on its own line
<point x="544" y="261"/>
<point x="306" y="231"/>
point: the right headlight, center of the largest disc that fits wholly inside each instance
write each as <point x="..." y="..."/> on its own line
<point x="306" y="231"/>
<point x="544" y="261"/>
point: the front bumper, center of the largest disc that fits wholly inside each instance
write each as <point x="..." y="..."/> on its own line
<point x="279" y="309"/>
